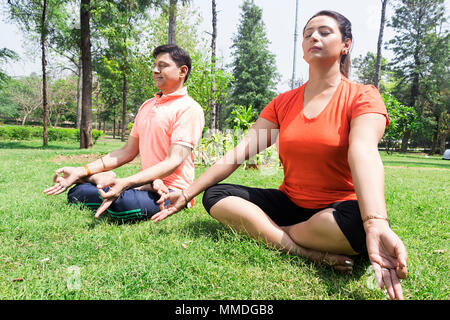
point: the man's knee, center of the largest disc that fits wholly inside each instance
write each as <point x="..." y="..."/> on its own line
<point x="84" y="193"/>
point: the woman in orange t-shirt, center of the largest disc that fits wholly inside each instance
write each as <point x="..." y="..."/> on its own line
<point x="331" y="203"/>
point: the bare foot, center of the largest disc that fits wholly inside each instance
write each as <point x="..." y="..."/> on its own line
<point x="338" y="262"/>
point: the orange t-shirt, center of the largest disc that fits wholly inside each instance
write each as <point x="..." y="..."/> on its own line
<point x="313" y="152"/>
<point x="167" y="119"/>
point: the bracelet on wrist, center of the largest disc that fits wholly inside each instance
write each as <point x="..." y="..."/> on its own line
<point x="375" y="217"/>
<point x="186" y="198"/>
<point x="103" y="163"/>
<point x="87" y="170"/>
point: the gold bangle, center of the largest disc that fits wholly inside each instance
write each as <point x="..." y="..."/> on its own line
<point x="87" y="169"/>
<point x="185" y="197"/>
<point x="375" y="217"/>
<point x="104" y="167"/>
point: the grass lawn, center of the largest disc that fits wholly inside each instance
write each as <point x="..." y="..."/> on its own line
<point x="53" y="250"/>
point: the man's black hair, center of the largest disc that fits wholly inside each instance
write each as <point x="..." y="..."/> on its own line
<point x="177" y="54"/>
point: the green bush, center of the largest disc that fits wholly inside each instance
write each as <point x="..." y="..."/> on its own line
<point x="54" y="134"/>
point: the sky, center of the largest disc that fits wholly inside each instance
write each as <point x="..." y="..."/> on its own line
<point x="279" y="20"/>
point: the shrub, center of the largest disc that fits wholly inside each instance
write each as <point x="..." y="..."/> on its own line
<point x="54" y="134"/>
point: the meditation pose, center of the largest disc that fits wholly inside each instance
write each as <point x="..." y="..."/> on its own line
<point x="330" y="205"/>
<point x="166" y="130"/>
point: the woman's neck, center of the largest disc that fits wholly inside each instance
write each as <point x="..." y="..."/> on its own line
<point x="321" y="78"/>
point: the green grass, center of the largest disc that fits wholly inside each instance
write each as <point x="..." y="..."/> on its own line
<point x="190" y="255"/>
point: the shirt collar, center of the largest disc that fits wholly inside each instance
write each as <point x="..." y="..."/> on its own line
<point x="174" y="95"/>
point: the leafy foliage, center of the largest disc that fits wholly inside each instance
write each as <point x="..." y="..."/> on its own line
<point x="5" y="55"/>
<point x="54" y="134"/>
<point x="401" y="118"/>
<point x="254" y="67"/>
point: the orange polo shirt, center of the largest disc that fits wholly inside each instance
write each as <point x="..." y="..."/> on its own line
<point x="167" y="119"/>
<point x="314" y="151"/>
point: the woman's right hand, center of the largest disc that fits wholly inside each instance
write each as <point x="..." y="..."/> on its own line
<point x="177" y="203"/>
<point x="70" y="175"/>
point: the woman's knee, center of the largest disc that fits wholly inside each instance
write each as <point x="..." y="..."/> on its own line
<point x="211" y="196"/>
<point x="321" y="232"/>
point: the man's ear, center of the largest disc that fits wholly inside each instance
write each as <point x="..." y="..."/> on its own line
<point x="183" y="71"/>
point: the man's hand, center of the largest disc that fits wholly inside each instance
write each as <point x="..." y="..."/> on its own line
<point x="116" y="187"/>
<point x="70" y="175"/>
<point x="388" y="257"/>
<point x="177" y="203"/>
<point x="159" y="187"/>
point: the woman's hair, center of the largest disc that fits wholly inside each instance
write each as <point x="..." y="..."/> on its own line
<point x="345" y="26"/>
<point x="177" y="54"/>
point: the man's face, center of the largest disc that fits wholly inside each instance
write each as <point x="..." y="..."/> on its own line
<point x="166" y="74"/>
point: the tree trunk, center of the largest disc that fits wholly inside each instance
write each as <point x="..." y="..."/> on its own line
<point x="414" y="95"/>
<point x="114" y="124"/>
<point x="172" y="21"/>
<point x="124" y="106"/>
<point x="79" y="90"/>
<point x="443" y="138"/>
<point x="86" y="96"/>
<point x="436" y="131"/>
<point x="220" y="116"/>
<point x="44" y="76"/>
<point x="213" y="114"/>
<point x="405" y="140"/>
<point x="56" y="119"/>
<point x="376" y="81"/>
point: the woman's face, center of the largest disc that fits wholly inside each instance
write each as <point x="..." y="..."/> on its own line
<point x="322" y="40"/>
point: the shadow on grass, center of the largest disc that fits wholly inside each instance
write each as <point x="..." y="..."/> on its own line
<point x="334" y="280"/>
<point x="206" y="228"/>
<point x="24" y="145"/>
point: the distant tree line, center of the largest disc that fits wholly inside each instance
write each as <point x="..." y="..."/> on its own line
<point x="106" y="47"/>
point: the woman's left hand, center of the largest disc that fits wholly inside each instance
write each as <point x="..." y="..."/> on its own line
<point x="388" y="257"/>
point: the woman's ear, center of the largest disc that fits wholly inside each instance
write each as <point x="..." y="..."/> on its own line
<point x="347" y="46"/>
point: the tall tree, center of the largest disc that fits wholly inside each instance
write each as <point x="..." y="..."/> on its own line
<point x="413" y="21"/>
<point x="189" y="38"/>
<point x="26" y="94"/>
<point x="173" y="22"/>
<point x="171" y="9"/>
<point x="117" y="26"/>
<point x="65" y="42"/>
<point x="254" y="67"/>
<point x="376" y="80"/>
<point x="35" y="17"/>
<point x="365" y="69"/>
<point x="436" y="88"/>
<point x="213" y="105"/>
<point x="86" y="62"/>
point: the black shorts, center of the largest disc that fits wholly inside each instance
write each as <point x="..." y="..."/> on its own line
<point x="284" y="212"/>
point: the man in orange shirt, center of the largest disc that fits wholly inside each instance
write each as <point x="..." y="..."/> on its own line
<point x="165" y="132"/>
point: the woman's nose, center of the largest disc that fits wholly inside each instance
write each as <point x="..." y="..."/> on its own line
<point x="314" y="36"/>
